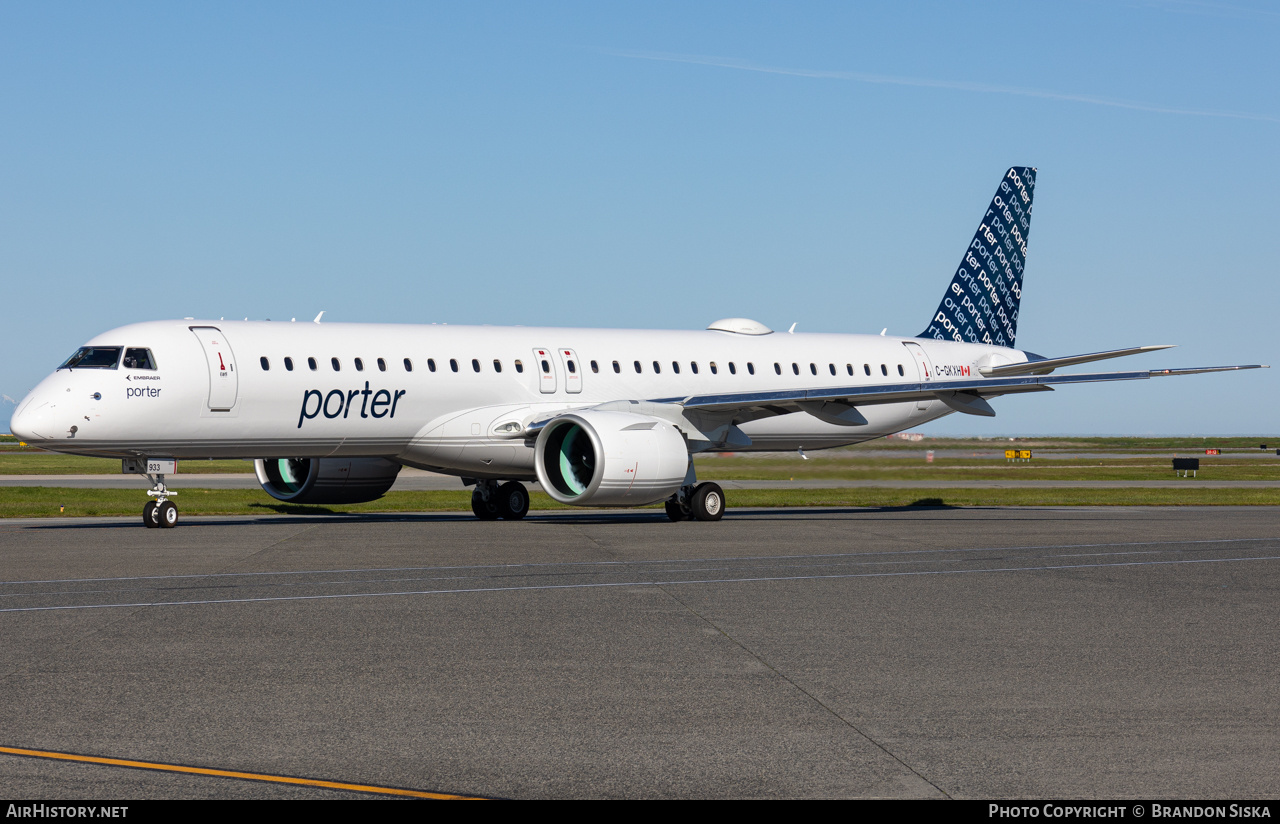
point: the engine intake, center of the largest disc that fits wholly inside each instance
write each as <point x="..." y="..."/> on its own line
<point x="610" y="459"/>
<point x="326" y="480"/>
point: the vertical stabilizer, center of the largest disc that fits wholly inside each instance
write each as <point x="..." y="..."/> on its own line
<point x="981" y="304"/>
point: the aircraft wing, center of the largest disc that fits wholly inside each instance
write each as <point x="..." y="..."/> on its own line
<point x="967" y="396"/>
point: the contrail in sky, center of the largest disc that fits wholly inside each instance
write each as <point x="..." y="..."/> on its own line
<point x="924" y="82"/>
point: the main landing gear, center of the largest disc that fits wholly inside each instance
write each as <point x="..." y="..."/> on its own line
<point x="703" y="502"/>
<point x="161" y="512"/>
<point x="491" y="501"/>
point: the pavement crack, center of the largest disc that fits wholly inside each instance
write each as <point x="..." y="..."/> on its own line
<point x="796" y="686"/>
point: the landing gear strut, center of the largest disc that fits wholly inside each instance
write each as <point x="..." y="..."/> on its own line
<point x="490" y="501"/>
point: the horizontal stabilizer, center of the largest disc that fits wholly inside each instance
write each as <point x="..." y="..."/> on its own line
<point x="1046" y="365"/>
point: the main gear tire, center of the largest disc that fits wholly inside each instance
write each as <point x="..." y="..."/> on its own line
<point x="707" y="502"/>
<point x="485" y="510"/>
<point x="513" y="501"/>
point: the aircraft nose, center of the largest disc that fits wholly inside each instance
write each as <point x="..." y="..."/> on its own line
<point x="26" y="420"/>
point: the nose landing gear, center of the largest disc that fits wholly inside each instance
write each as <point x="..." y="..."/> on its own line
<point x="162" y="512"/>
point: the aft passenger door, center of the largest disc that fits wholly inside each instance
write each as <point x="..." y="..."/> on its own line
<point x="572" y="371"/>
<point x="924" y="369"/>
<point x="223" y="383"/>
<point x="543" y="364"/>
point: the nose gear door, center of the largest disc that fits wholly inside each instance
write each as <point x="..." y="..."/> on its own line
<point x="223" y="383"/>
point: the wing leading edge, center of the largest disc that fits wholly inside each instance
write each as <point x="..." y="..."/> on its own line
<point x="959" y="395"/>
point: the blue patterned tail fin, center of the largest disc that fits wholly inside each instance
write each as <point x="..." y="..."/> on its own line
<point x="981" y="304"/>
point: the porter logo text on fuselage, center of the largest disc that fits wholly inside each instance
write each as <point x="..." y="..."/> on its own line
<point x="339" y="403"/>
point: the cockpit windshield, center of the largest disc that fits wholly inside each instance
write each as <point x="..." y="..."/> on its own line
<point x="93" y="357"/>
<point x="138" y="359"/>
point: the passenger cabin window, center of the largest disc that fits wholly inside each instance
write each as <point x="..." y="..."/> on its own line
<point x="266" y="365"/>
<point x="751" y="367"/>
<point x="884" y="370"/>
<point x="93" y="357"/>
<point x="595" y="367"/>
<point x="693" y="365"/>
<point x="382" y="365"/>
<point x="408" y="365"/>
<point x="637" y="367"/>
<point x="813" y="369"/>
<point x="453" y="364"/>
<point x="431" y="364"/>
<point x="475" y="365"/>
<point x="713" y="368"/>
<point x="777" y="368"/>
<point x="573" y="367"/>
<point x="733" y="370"/>
<point x="546" y="367"/>
<point x="337" y="367"/>
<point x="616" y="368"/>
<point x="311" y="363"/>
<point x="288" y="364"/>
<point x="359" y="365"/>
<point x="900" y="372"/>
<point x="520" y="366"/>
<point x="675" y="367"/>
<point x="833" y="368"/>
<point x="497" y="365"/>
<point x="866" y="367"/>
<point x="849" y="366"/>
<point x="795" y="368"/>
<point x="657" y="368"/>
<point x="138" y="359"/>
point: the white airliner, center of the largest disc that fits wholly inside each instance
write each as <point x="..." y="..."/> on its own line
<point x="600" y="417"/>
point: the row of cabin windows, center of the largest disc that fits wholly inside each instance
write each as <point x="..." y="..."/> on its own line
<point x="573" y="369"/>
<point x="336" y="364"/>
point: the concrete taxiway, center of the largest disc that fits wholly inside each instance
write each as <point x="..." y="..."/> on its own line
<point x="854" y="652"/>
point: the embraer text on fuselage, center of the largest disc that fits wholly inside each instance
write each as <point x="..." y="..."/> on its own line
<point x="338" y="403"/>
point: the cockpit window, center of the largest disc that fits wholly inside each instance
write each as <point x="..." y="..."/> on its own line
<point x="93" y="357"/>
<point x="138" y="359"/>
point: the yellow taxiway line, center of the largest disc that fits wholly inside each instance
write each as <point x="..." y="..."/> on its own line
<point x="247" y="776"/>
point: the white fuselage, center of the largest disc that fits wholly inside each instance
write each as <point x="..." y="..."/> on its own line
<point x="222" y="389"/>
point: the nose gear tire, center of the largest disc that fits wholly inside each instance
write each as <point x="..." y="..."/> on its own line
<point x="167" y="514"/>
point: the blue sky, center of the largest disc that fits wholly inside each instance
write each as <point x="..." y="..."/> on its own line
<point x="654" y="165"/>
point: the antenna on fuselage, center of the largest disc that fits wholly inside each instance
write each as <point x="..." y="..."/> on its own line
<point x="317" y="320"/>
<point x="882" y="331"/>
<point x="792" y="330"/>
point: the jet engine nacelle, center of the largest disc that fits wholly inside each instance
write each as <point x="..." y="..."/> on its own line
<point x="326" y="480"/>
<point x="610" y="459"/>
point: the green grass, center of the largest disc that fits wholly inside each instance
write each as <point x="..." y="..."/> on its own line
<point x="27" y="461"/>
<point x="847" y="464"/>
<point x="38" y="502"/>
